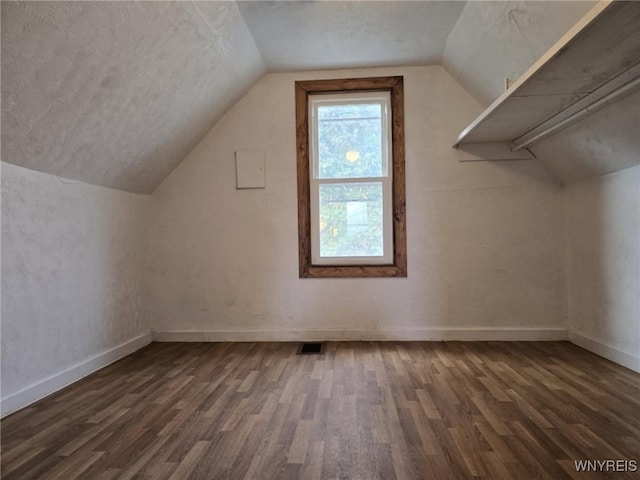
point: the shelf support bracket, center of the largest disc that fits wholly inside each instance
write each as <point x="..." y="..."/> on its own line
<point x="490" y="151"/>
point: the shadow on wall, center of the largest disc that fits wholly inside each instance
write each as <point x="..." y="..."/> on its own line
<point x="603" y="142"/>
<point x="603" y="253"/>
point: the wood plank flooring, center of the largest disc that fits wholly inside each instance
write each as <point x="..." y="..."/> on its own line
<point x="363" y="410"/>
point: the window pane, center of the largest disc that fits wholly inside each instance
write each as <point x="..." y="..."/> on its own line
<point x="350" y="141"/>
<point x="351" y="220"/>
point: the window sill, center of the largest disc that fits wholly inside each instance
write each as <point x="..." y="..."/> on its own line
<point x="352" y="271"/>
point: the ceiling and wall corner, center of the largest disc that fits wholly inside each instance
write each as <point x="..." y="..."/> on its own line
<point x="293" y="36"/>
<point x="118" y="93"/>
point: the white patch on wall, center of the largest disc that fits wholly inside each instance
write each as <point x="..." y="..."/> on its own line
<point x="250" y="170"/>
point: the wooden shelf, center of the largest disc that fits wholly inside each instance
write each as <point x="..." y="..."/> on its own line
<point x="600" y="54"/>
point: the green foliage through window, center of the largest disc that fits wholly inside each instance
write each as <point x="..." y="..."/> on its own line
<point x="350" y="128"/>
<point x="351" y="220"/>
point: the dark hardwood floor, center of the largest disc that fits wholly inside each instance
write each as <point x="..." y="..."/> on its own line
<point x="363" y="410"/>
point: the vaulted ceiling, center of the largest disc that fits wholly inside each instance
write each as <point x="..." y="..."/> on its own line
<point x="118" y="93"/>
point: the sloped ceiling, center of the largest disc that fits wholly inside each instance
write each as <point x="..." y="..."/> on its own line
<point x="117" y="93"/>
<point x="604" y="142"/>
<point x="496" y="40"/>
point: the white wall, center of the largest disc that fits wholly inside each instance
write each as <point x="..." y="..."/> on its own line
<point x="485" y="240"/>
<point x="72" y="276"/>
<point x="603" y="253"/>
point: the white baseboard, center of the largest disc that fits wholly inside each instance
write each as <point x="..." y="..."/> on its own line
<point x="607" y="351"/>
<point x="400" y="334"/>
<point x="53" y="383"/>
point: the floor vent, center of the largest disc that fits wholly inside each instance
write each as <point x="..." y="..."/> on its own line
<point x="315" y="348"/>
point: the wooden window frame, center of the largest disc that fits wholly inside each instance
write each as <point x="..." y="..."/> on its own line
<point x="395" y="87"/>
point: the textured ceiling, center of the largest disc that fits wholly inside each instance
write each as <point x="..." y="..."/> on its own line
<point x="341" y="34"/>
<point x="496" y="40"/>
<point x="117" y="93"/>
<point x="604" y="142"/>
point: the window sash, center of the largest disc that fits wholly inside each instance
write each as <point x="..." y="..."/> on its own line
<point x="350" y="98"/>
<point x="386" y="180"/>
<point x="387" y="221"/>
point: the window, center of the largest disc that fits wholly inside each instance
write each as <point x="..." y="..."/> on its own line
<point x="351" y="202"/>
